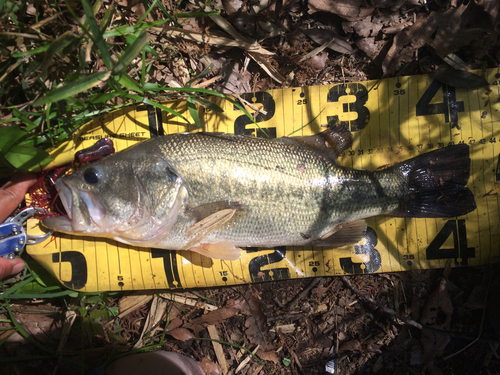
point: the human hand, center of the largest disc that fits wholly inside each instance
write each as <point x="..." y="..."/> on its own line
<point x="11" y="194"/>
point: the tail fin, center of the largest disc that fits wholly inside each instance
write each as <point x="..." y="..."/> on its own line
<point x="436" y="183"/>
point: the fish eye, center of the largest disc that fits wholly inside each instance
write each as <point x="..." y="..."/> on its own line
<point x="92" y="175"/>
<point x="171" y="176"/>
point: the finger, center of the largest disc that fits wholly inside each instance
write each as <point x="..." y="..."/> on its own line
<point x="13" y="192"/>
<point x="10" y="267"/>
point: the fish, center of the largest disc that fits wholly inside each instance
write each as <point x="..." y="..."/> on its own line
<point x="214" y="193"/>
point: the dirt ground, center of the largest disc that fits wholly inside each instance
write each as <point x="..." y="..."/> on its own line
<point x="416" y="322"/>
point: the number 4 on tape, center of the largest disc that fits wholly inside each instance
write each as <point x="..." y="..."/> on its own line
<point x="460" y="252"/>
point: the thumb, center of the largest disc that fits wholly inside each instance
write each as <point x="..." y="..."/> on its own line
<point x="12" y="193"/>
<point x="10" y="267"/>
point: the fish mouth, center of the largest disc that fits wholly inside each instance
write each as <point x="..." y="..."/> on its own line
<point x="82" y="215"/>
<point x="63" y="202"/>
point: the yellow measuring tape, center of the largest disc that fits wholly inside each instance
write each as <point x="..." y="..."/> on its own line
<point x="391" y="121"/>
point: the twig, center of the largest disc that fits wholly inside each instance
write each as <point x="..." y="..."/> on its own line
<point x="302" y="294"/>
<point x="208" y="82"/>
<point x="246" y="103"/>
<point x="387" y="310"/>
<point x="286" y="316"/>
<point x="278" y="302"/>
<point x="299" y="365"/>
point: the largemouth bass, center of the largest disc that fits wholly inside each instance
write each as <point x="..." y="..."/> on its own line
<point x="213" y="193"/>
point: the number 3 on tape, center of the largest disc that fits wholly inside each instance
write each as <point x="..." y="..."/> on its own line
<point x="368" y="248"/>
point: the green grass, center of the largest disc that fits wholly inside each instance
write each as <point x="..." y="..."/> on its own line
<point x="63" y="64"/>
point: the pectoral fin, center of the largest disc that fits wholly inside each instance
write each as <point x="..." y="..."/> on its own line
<point x="203" y="228"/>
<point x="222" y="250"/>
<point x="344" y="234"/>
<point x="205" y="210"/>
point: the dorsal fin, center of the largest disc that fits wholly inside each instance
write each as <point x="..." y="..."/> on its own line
<point x="330" y="143"/>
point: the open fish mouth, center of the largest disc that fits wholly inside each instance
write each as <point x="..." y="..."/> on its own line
<point x="63" y="221"/>
<point x="81" y="214"/>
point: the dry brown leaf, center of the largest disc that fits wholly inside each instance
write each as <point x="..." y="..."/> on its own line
<point x="406" y="42"/>
<point x="351" y="10"/>
<point x="457" y="30"/>
<point x="317" y="62"/>
<point x="270" y="355"/>
<point x="350" y="345"/>
<point x="173" y="324"/>
<point x="458" y="78"/>
<point x="320" y="291"/>
<point x="267" y="67"/>
<point x="132" y="302"/>
<point x="369" y="26"/>
<point x="232" y="6"/>
<point x="181" y="334"/>
<point x="329" y="38"/>
<point x="256" y="323"/>
<point x="371" y="46"/>
<point x="197" y="37"/>
<point x="156" y="313"/>
<point x="209" y="367"/>
<point x="212" y="318"/>
<point x="436" y="314"/>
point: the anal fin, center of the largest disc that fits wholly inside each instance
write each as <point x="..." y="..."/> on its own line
<point x="344" y="234"/>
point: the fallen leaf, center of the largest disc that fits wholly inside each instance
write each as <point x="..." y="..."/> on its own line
<point x="181" y="334"/>
<point x="256" y="322"/>
<point x="350" y="345"/>
<point x="209" y="367"/>
<point x="335" y="42"/>
<point x="156" y="313"/>
<point x="269" y="356"/>
<point x="173" y="324"/>
<point x="317" y="62"/>
<point x="458" y="78"/>
<point x="351" y="10"/>
<point x="369" y="26"/>
<point x="320" y="291"/>
<point x="436" y="314"/>
<point x="212" y="318"/>
<point x="371" y="46"/>
<point x="131" y="302"/>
